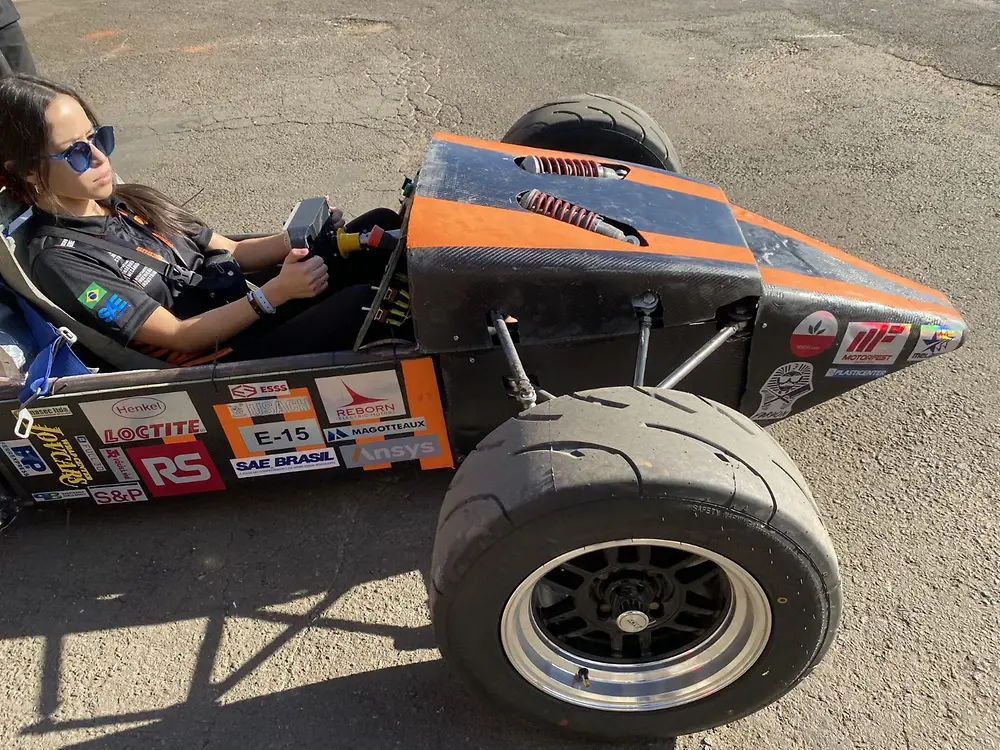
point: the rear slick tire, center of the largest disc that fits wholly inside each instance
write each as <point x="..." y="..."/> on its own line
<point x="632" y="563"/>
<point x="597" y="125"/>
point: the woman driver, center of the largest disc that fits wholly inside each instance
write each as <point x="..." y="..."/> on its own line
<point x="54" y="154"/>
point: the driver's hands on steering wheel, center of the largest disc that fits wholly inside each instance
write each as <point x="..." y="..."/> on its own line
<point x="336" y="215"/>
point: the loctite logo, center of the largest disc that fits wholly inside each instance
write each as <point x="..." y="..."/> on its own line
<point x="873" y="343"/>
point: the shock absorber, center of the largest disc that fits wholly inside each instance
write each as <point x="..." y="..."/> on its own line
<point x="570" y="167"/>
<point x="548" y="205"/>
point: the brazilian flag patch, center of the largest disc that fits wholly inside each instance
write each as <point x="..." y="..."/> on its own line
<point x="92" y="295"/>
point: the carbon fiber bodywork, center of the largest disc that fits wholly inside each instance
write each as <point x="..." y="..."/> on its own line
<point x="825" y="322"/>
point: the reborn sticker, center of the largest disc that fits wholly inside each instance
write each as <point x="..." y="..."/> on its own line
<point x="366" y="395"/>
<point x="787" y="384"/>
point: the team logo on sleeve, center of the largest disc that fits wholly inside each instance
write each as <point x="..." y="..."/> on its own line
<point x="92" y="295"/>
<point x="113" y="309"/>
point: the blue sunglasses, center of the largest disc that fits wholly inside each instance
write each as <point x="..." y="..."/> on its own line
<point x="80" y="154"/>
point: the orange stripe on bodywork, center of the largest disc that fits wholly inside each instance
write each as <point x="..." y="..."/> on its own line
<point x="636" y="174"/>
<point x="742" y="214"/>
<point x="777" y="277"/>
<point x="424" y="399"/>
<point x="179" y="439"/>
<point x="230" y="426"/>
<point x="435" y="222"/>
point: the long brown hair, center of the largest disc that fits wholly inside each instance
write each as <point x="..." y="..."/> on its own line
<point x="24" y="137"/>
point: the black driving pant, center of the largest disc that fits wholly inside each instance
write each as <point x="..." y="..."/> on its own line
<point x="14" y="54"/>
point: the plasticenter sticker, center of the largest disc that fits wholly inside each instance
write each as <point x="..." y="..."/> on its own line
<point x="814" y="335"/>
<point x="364" y="395"/>
<point x="786" y="385"/>
<point x="127" y="420"/>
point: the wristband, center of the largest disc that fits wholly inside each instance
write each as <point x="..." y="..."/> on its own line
<point x="258" y="294"/>
<point x="255" y="305"/>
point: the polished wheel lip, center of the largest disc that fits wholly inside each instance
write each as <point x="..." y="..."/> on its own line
<point x="706" y="668"/>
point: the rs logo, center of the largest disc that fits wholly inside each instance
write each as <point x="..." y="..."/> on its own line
<point x="182" y="469"/>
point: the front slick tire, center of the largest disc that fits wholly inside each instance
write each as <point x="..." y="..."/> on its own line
<point x="662" y="542"/>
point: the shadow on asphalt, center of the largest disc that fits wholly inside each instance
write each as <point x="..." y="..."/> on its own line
<point x="95" y="570"/>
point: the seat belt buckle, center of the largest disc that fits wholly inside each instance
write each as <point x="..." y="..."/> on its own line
<point x="67" y="334"/>
<point x="24" y="423"/>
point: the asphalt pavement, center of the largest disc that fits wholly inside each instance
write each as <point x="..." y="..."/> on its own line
<point x="301" y="621"/>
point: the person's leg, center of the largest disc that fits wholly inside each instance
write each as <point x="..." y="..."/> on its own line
<point x="328" y="325"/>
<point x="14" y="50"/>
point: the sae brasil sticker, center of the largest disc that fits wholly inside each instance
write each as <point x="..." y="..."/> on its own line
<point x="285" y="463"/>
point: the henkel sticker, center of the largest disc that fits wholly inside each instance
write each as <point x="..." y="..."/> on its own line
<point x="284" y="463"/>
<point x="90" y="453"/>
<point x="302" y="433"/>
<point x="46" y="412"/>
<point x="119" y="464"/>
<point x="935" y="340"/>
<point x="127" y="420"/>
<point x="56" y="495"/>
<point x="116" y="494"/>
<point x="25" y="458"/>
<point x="270" y="407"/>
<point x="856" y="372"/>
<point x="814" y="335"/>
<point x="872" y="343"/>
<point x="391" y="451"/>
<point x="73" y="472"/>
<point x="365" y="395"/>
<point x="353" y="432"/>
<point x="177" y="468"/>
<point x="786" y="385"/>
<point x="255" y="390"/>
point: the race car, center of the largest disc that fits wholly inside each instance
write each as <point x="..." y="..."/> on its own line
<point x="593" y="342"/>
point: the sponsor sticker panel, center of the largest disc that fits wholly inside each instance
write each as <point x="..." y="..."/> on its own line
<point x="390" y="451"/>
<point x="857" y="372"/>
<point x="389" y="427"/>
<point x="25" y="458"/>
<point x="177" y="468"/>
<point x="814" y="335"/>
<point x="934" y="341"/>
<point x="88" y="450"/>
<point x="365" y="395"/>
<point x="57" y="495"/>
<point x="73" y="472"/>
<point x="46" y="412"/>
<point x="120" y="465"/>
<point x="117" y="494"/>
<point x="273" y="436"/>
<point x="270" y="407"/>
<point x="138" y="418"/>
<point x="786" y="385"/>
<point x="256" y="390"/>
<point x="872" y="343"/>
<point x="284" y="463"/>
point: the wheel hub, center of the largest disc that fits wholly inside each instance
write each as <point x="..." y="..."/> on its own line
<point x="632" y="621"/>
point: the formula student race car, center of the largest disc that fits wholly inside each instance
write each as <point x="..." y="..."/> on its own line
<point x="595" y="341"/>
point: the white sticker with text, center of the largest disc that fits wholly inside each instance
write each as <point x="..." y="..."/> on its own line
<point x="126" y="420"/>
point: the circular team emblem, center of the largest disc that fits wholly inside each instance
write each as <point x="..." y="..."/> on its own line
<point x="814" y="335"/>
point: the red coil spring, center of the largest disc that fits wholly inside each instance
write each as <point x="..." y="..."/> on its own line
<point x="548" y="205"/>
<point x="569" y="167"/>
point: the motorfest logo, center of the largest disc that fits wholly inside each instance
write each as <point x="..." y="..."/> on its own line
<point x="872" y="343"/>
<point x="143" y="417"/>
<point x="366" y="395"/>
<point x="73" y="472"/>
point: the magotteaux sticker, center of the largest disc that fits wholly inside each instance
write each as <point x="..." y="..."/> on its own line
<point x="872" y="343"/>
<point x="786" y="385"/>
<point x="177" y="468"/>
<point x="25" y="458"/>
<point x="391" y="427"/>
<point x="934" y="341"/>
<point x="814" y="335"/>
<point x="284" y="463"/>
<point x="127" y="420"/>
<point x="391" y="451"/>
<point x="117" y="494"/>
<point x="365" y="395"/>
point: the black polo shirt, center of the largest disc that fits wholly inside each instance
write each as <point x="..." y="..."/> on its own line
<point x="102" y="289"/>
<point x="8" y="13"/>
